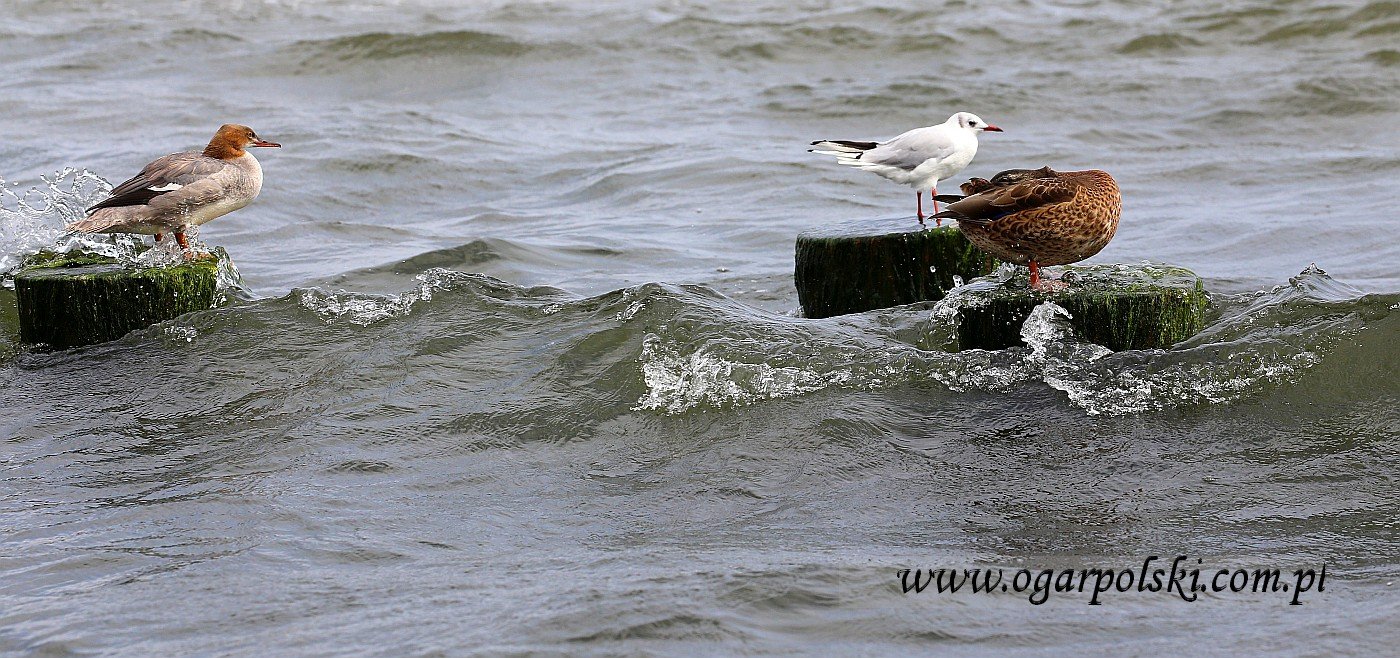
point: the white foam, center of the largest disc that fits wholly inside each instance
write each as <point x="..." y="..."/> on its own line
<point x="362" y="309"/>
<point x="678" y="382"/>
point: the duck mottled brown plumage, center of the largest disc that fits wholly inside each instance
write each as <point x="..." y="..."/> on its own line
<point x="1038" y="217"/>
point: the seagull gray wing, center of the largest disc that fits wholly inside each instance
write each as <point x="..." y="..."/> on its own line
<point x="161" y="177"/>
<point x="911" y="149"/>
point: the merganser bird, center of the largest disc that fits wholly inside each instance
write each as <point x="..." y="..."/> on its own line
<point x="182" y="190"/>
<point x="1039" y="216"/>
<point x="918" y="158"/>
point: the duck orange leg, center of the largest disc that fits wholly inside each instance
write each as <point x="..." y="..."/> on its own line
<point x="159" y="236"/>
<point x="1044" y="285"/>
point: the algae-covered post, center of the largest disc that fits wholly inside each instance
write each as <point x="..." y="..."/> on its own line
<point x="1118" y="306"/>
<point x="859" y="266"/>
<point x="68" y="301"/>
<point x="9" y="323"/>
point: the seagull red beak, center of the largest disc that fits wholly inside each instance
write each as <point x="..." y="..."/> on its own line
<point x="992" y="129"/>
<point x="259" y="142"/>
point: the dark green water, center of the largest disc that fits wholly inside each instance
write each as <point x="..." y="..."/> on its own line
<point x="523" y="372"/>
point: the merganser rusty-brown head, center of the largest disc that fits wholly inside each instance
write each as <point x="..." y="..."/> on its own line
<point x="231" y="140"/>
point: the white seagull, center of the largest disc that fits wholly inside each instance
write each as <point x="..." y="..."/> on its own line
<point x="183" y="189"/>
<point x="918" y="158"/>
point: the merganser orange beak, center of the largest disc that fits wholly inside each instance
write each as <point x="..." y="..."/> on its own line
<point x="260" y="142"/>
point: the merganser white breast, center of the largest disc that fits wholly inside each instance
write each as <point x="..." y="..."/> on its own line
<point x="183" y="189"/>
<point x="918" y="158"/>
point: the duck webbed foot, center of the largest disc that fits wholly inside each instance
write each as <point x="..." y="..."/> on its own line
<point x="1044" y="284"/>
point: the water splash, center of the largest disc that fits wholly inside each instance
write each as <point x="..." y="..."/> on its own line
<point x="34" y="220"/>
<point x="365" y="309"/>
<point x="180" y="333"/>
<point x="228" y="282"/>
<point x="168" y="252"/>
<point x="677" y="382"/>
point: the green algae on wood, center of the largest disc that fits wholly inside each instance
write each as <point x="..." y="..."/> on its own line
<point x="865" y="265"/>
<point x="9" y="324"/>
<point x="68" y="301"/>
<point x="1121" y="307"/>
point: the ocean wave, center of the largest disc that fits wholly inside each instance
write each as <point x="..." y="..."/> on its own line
<point x="357" y="49"/>
<point x="1338" y="96"/>
<point x="366" y="309"/>
<point x="1384" y="57"/>
<point x="1159" y="43"/>
<point x="1270" y="342"/>
<point x="757" y="36"/>
<point x="681" y="349"/>
<point x="1376" y="19"/>
<point x="846" y="100"/>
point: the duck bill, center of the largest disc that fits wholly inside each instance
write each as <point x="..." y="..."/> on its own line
<point x="266" y="143"/>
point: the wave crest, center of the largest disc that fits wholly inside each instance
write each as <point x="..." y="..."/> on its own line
<point x="1255" y="345"/>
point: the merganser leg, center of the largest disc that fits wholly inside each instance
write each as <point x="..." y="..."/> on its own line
<point x="184" y="245"/>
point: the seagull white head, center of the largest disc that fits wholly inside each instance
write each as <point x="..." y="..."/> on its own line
<point x="972" y="122"/>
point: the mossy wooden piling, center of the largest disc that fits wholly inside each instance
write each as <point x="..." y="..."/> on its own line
<point x="72" y="300"/>
<point x="865" y="265"/>
<point x="9" y="324"/>
<point x="1118" y="306"/>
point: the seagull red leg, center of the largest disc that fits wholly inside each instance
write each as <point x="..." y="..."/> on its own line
<point x="919" y="199"/>
<point x="937" y="221"/>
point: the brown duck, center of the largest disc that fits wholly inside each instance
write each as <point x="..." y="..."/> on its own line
<point x="1038" y="217"/>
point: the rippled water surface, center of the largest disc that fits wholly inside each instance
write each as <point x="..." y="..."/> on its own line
<point x="517" y="365"/>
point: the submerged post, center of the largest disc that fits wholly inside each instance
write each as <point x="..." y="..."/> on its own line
<point x="1121" y="307"/>
<point x="72" y="300"/>
<point x="859" y="266"/>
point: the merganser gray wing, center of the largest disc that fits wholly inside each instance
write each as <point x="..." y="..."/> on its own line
<point x="163" y="176"/>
